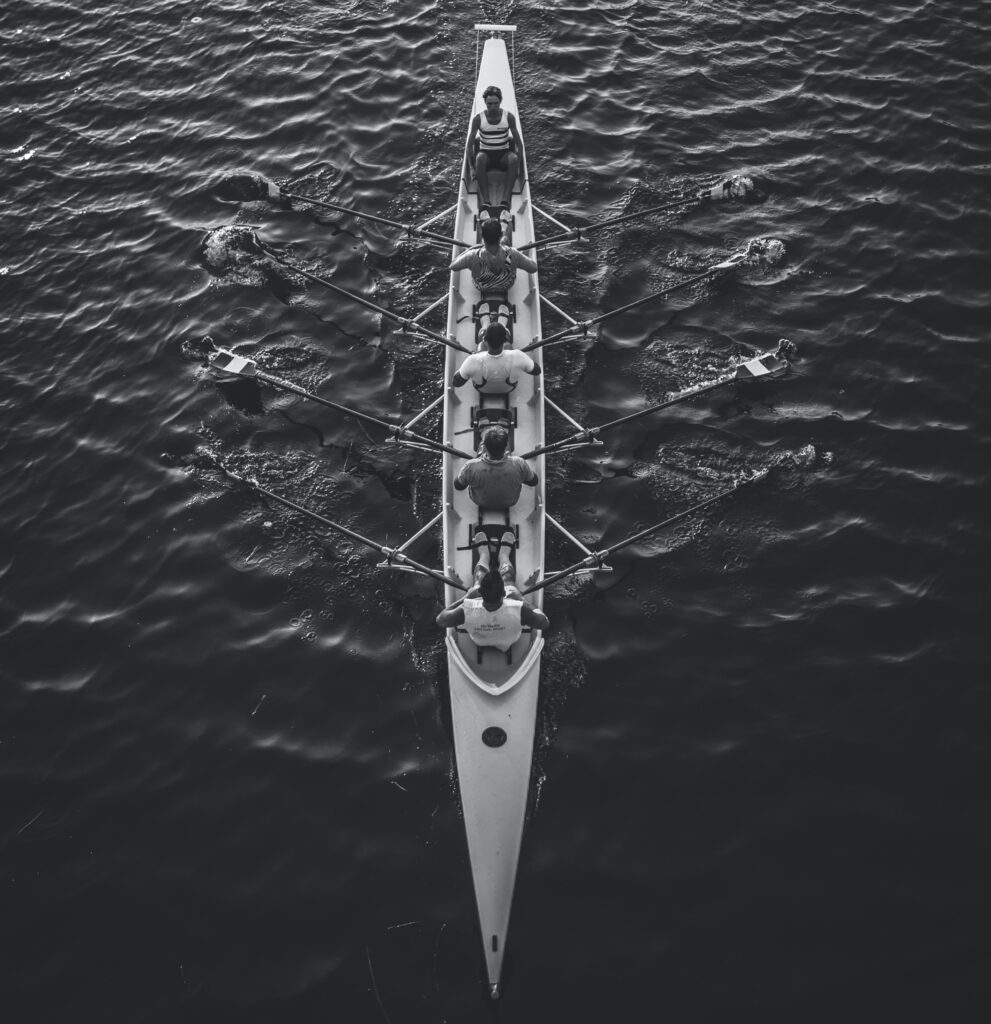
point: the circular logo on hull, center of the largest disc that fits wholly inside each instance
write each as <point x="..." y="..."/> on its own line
<point x="494" y="736"/>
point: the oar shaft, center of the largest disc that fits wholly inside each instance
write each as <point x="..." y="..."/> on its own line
<point x="589" y="434"/>
<point x="391" y="553"/>
<point x="598" y="557"/>
<point x="315" y="516"/>
<point x="408" y="228"/>
<point x="663" y="208"/>
<point x="361" y="300"/>
<point x="578" y="233"/>
<point x="285" y="385"/>
<point x="662" y="293"/>
<point x="395" y="429"/>
<point x="668" y="402"/>
<point x="673" y="519"/>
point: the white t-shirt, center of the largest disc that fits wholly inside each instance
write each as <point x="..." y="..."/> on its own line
<point x="484" y="368"/>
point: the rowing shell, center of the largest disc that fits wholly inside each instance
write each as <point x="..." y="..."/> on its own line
<point x="493" y="697"/>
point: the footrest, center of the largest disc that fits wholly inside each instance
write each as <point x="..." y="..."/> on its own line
<point x="492" y="530"/>
<point x="495" y="307"/>
<point x="493" y="410"/>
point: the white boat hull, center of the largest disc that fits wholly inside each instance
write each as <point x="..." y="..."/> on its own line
<point x="494" y="693"/>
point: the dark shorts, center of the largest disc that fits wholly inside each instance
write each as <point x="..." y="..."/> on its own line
<point x="497" y="158"/>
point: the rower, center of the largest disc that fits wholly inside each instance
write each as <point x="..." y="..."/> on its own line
<point x="493" y="611"/>
<point x="496" y="368"/>
<point x="496" y="145"/>
<point x="495" y="479"/>
<point x="493" y="265"/>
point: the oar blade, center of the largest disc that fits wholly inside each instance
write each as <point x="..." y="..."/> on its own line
<point x="229" y="364"/>
<point x="762" y="366"/>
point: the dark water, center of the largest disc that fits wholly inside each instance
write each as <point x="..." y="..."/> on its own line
<point x="228" y="791"/>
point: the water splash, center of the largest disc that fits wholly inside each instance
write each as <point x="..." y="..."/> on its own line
<point x="232" y="248"/>
<point x="765" y="252"/>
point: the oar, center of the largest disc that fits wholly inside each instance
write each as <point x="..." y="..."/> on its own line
<point x="275" y="192"/>
<point x="583" y="325"/>
<point x="765" y="365"/>
<point x="723" y="190"/>
<point x="240" y="366"/>
<point x="392" y="555"/>
<point x="597" y="558"/>
<point x="405" y="322"/>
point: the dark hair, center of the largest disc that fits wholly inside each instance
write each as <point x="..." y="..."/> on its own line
<point x="491" y="586"/>
<point x="493" y="90"/>
<point x="491" y="230"/>
<point x="495" y="440"/>
<point x="495" y="336"/>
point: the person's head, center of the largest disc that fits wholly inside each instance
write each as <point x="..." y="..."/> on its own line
<point x="492" y="97"/>
<point x="491" y="231"/>
<point x="492" y="588"/>
<point x="495" y="337"/>
<point x="494" y="441"/>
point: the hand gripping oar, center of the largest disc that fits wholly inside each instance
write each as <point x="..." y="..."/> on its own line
<point x="227" y="362"/>
<point x="275" y="192"/>
<point x="392" y="555"/>
<point x="405" y="322"/>
<point x="582" y="327"/>
<point x="597" y="558"/>
<point x="765" y="365"/>
<point x="722" y="190"/>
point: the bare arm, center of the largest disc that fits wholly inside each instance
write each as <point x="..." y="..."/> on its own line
<point x="529" y="366"/>
<point x="532" y="617"/>
<point x="451" y="617"/>
<point x="530" y="477"/>
<point x="463" y="262"/>
<point x="472" y="144"/>
<point x="522" y="261"/>
<point x="518" y="140"/>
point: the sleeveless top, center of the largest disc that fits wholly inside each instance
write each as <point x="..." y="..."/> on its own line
<point x="497" y="373"/>
<point x="501" y="628"/>
<point x="493" y="136"/>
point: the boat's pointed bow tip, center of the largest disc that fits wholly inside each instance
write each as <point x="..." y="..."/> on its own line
<point x="494" y="990"/>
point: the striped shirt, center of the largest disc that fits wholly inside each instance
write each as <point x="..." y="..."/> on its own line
<point x="494" y="272"/>
<point x="493" y="136"/>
